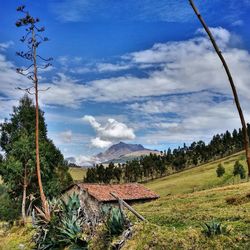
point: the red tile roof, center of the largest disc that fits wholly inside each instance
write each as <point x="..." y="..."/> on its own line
<point x="127" y="192"/>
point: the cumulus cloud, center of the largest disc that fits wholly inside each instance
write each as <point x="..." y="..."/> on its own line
<point x="99" y="143"/>
<point x="109" y="133"/>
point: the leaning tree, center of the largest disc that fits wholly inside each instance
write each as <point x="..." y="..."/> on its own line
<point x="33" y="38"/>
<point x="231" y="82"/>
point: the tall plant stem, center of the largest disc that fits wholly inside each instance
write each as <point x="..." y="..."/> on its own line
<point x="231" y="81"/>
<point x="38" y="168"/>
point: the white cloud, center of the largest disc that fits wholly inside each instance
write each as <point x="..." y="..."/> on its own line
<point x="6" y="45"/>
<point x="105" y="67"/>
<point x="109" y="133"/>
<point x="196" y="116"/>
<point x="99" y="143"/>
<point x="238" y="23"/>
<point x="86" y="161"/>
<point x="66" y="136"/>
<point x="185" y="66"/>
<point x="190" y="65"/>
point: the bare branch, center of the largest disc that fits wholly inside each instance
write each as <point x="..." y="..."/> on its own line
<point x="27" y="90"/>
<point x="45" y="59"/>
<point x="43" y="90"/>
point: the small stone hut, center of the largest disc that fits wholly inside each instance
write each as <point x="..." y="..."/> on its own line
<point x="94" y="196"/>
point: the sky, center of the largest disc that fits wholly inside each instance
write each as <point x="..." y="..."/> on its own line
<point x="135" y="71"/>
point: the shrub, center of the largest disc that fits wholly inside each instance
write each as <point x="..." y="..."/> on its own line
<point x="220" y="170"/>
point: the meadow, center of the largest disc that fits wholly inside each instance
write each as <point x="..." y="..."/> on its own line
<point x="188" y="200"/>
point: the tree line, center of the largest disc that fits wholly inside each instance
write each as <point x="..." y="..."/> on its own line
<point x="168" y="161"/>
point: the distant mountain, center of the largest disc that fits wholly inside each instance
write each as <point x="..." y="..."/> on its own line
<point x="122" y="151"/>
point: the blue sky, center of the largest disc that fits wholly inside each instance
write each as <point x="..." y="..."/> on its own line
<point x="135" y="71"/>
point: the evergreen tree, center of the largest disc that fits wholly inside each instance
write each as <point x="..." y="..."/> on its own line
<point x="220" y="170"/>
<point x="239" y="170"/>
<point x="18" y="169"/>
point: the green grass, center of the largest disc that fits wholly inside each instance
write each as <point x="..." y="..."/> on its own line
<point x="175" y="219"/>
<point x="77" y="173"/>
<point x="198" y="178"/>
<point x="18" y="237"/>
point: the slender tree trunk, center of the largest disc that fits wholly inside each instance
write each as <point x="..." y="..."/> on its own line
<point x="38" y="169"/>
<point x="24" y="195"/>
<point x="230" y="78"/>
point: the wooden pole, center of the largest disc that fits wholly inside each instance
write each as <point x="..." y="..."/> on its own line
<point x="125" y="204"/>
<point x="231" y="81"/>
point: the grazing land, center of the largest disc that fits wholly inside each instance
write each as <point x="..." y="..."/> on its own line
<point x="198" y="178"/>
<point x="188" y="200"/>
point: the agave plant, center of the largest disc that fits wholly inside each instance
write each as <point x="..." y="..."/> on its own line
<point x="115" y="221"/>
<point x="65" y="227"/>
<point x="214" y="228"/>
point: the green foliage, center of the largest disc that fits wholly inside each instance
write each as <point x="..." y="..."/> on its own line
<point x="65" y="228"/>
<point x="214" y="228"/>
<point x="115" y="222"/>
<point x="220" y="170"/>
<point x="9" y="210"/>
<point x="239" y="170"/>
<point x="18" y="142"/>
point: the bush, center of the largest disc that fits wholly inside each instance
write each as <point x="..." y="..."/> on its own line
<point x="220" y="170"/>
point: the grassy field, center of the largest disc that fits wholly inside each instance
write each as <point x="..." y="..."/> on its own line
<point x="198" y="178"/>
<point x="175" y="220"/>
<point x="77" y="173"/>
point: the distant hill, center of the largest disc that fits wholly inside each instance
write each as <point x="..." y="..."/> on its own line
<point x="121" y="152"/>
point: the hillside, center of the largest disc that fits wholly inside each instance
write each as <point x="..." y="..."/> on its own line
<point x="175" y="221"/>
<point x="197" y="178"/>
<point x="176" y="217"/>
